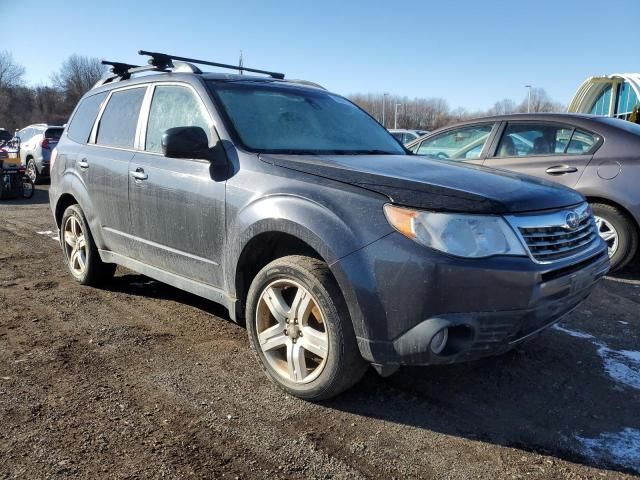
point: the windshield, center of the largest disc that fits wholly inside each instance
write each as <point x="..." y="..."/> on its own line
<point x="274" y="119"/>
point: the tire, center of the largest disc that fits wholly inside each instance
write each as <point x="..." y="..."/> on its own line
<point x="32" y="171"/>
<point x="27" y="187"/>
<point x="80" y="251"/>
<point x="321" y="325"/>
<point x="620" y="233"/>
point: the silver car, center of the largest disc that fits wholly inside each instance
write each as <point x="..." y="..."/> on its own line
<point x="35" y="144"/>
<point x="598" y="156"/>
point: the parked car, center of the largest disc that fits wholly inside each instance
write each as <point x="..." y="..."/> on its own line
<point x="5" y="136"/>
<point x="405" y="136"/>
<point x="303" y="216"/>
<point x="35" y="144"/>
<point x="598" y="156"/>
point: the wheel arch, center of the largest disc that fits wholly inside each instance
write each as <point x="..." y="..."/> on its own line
<point x="616" y="205"/>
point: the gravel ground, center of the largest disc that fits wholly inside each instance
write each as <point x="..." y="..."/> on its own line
<point x="140" y="380"/>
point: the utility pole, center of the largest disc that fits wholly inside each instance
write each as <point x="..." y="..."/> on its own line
<point x="384" y="98"/>
<point x="395" y="117"/>
<point x="529" y="100"/>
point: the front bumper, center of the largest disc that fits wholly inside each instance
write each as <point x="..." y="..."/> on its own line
<point x="410" y="293"/>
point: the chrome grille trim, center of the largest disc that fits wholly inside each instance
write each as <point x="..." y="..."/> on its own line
<point x="548" y="238"/>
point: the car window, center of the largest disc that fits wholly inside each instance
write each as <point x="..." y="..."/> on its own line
<point x="174" y="106"/>
<point x="54" y="133"/>
<point x="533" y="139"/>
<point x="118" y="123"/>
<point x="82" y="122"/>
<point x="465" y="143"/>
<point x="398" y="136"/>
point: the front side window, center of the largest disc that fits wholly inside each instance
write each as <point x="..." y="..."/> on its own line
<point x="529" y="139"/>
<point x="82" y="122"/>
<point x="464" y="143"/>
<point x="282" y="119"/>
<point x="119" y="120"/>
<point x="174" y="106"/>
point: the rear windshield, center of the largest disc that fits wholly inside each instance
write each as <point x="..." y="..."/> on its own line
<point x="279" y="119"/>
<point x="54" y="133"/>
<point x="622" y="124"/>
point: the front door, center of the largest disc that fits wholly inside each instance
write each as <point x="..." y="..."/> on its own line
<point x="551" y="151"/>
<point x="177" y="208"/>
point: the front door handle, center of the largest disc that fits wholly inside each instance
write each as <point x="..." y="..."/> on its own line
<point x="83" y="164"/>
<point x="561" y="170"/>
<point x="139" y="174"/>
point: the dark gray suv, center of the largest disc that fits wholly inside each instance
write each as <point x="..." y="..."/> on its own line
<point x="305" y="218"/>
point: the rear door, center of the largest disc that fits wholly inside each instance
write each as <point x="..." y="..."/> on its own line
<point x="177" y="207"/>
<point x="548" y="150"/>
<point x="104" y="164"/>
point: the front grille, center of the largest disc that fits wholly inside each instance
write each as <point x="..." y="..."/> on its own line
<point x="549" y="238"/>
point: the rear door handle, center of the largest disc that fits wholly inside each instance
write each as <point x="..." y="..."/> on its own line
<point x="83" y="164"/>
<point x="561" y="170"/>
<point x="139" y="174"/>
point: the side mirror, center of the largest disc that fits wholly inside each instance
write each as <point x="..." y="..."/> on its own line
<point x="186" y="142"/>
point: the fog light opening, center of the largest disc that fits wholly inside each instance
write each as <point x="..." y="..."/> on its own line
<point x="439" y="341"/>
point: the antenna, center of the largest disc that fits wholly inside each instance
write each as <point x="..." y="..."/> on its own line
<point x="164" y="60"/>
<point x="240" y="63"/>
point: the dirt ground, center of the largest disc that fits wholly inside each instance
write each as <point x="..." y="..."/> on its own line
<point x="140" y="380"/>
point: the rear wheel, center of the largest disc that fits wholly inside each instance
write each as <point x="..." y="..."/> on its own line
<point x="300" y="329"/>
<point x="618" y="231"/>
<point x="80" y="251"/>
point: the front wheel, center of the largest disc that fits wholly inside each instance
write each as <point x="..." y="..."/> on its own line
<point x="300" y="329"/>
<point x="618" y="231"/>
<point x="80" y="251"/>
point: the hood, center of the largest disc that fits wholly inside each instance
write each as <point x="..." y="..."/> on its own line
<point x="421" y="182"/>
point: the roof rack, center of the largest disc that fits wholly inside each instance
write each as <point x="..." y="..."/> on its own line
<point x="164" y="61"/>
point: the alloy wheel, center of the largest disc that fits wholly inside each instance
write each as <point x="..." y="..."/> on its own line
<point x="31" y="171"/>
<point x="75" y="245"/>
<point x="291" y="331"/>
<point x="609" y="234"/>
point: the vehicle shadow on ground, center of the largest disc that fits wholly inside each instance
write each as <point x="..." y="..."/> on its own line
<point x="139" y="285"/>
<point x="40" y="196"/>
<point x="543" y="397"/>
<point x="539" y="398"/>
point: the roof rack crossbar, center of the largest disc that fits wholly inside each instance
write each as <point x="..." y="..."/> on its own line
<point x="163" y="60"/>
<point x="119" y="68"/>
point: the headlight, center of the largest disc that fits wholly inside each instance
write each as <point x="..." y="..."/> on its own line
<point x="472" y="236"/>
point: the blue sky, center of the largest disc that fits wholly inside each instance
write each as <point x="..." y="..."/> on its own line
<point x="470" y="53"/>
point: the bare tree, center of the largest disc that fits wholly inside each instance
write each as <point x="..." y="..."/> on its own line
<point x="76" y="76"/>
<point x="11" y="72"/>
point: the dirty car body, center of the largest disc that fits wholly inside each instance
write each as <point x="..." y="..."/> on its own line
<point x="208" y="226"/>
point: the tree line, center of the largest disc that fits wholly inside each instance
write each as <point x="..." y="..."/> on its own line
<point x="433" y="113"/>
<point x="21" y="104"/>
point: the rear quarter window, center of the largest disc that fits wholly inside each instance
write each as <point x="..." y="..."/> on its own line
<point x="53" y="133"/>
<point x="82" y="122"/>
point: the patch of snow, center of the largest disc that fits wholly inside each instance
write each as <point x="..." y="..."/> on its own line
<point x="621" y="365"/>
<point x="573" y="333"/>
<point x="621" y="448"/>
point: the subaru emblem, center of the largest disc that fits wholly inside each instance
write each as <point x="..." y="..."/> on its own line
<point x="573" y="220"/>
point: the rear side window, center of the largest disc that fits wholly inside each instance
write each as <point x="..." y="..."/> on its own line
<point x="118" y="123"/>
<point x="528" y="139"/>
<point x="82" y="122"/>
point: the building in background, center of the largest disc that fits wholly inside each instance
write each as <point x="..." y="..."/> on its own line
<point x="611" y="95"/>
